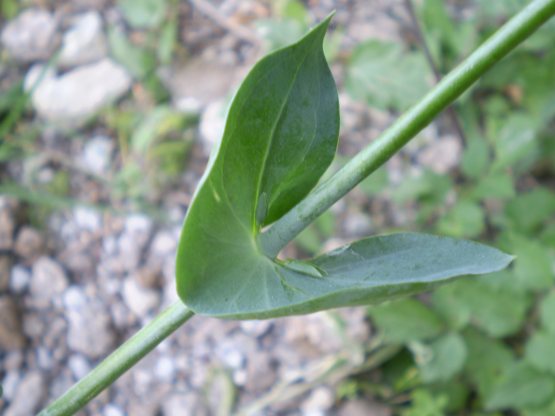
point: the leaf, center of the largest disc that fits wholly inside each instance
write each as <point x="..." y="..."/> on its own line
<point x="425" y="403"/>
<point x="487" y="358"/>
<point x="475" y="158"/>
<point x="495" y="185"/>
<point x="498" y="311"/>
<point x="143" y="13"/>
<point x="385" y="76"/>
<point x="465" y="219"/>
<point x="539" y="351"/>
<point x="280" y="137"/>
<point x="442" y="359"/>
<point x="406" y="320"/>
<point x="515" y="142"/>
<point x="138" y="61"/>
<point x="520" y="387"/>
<point x="527" y="212"/>
<point x="533" y="264"/>
<point x="547" y="312"/>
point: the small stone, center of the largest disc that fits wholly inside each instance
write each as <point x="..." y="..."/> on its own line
<point x="44" y="358"/>
<point x="318" y="402"/>
<point x="198" y="82"/>
<point x="212" y="124"/>
<point x="357" y="224"/>
<point x="88" y="219"/>
<point x="47" y="282"/>
<point x="90" y="327"/>
<point x="138" y="225"/>
<point x="147" y="277"/>
<point x="165" y="369"/>
<point x="139" y="299"/>
<point x="29" y="394"/>
<point x="29" y="243"/>
<point x="96" y="154"/>
<point x="5" y="264"/>
<point x="442" y="155"/>
<point x="31" y="36"/>
<point x="260" y="373"/>
<point x="112" y="410"/>
<point x="11" y="334"/>
<point x="9" y="384"/>
<point x="164" y="244"/>
<point x="230" y="354"/>
<point x="359" y="407"/>
<point x="7" y="227"/>
<point x="13" y="360"/>
<point x="256" y="328"/>
<point x="79" y="366"/>
<point x="183" y="404"/>
<point x="74" y="298"/>
<point x="84" y="42"/>
<point x="19" y="279"/>
<point x="71" y="99"/>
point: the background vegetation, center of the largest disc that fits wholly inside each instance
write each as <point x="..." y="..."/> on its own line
<point x="480" y="346"/>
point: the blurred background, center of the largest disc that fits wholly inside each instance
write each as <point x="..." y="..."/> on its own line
<point x="108" y="112"/>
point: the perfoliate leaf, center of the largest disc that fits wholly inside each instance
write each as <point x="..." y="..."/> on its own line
<point x="280" y="137"/>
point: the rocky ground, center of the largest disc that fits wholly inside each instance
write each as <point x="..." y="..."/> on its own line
<point x="75" y="287"/>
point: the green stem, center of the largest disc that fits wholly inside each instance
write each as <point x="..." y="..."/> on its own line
<point x="407" y="126"/>
<point x="284" y="230"/>
<point x="120" y="361"/>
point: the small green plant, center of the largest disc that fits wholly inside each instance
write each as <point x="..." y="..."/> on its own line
<point x="256" y="196"/>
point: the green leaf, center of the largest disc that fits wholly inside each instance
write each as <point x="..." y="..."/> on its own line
<point x="406" y="320"/>
<point x="137" y="60"/>
<point x="547" y="312"/>
<point x="520" y="387"/>
<point x="143" y="13"/>
<point x="495" y="185"/>
<point x="533" y="264"/>
<point x="386" y="76"/>
<point x="280" y="137"/>
<point x="465" y="219"/>
<point x="539" y="351"/>
<point x="475" y="158"/>
<point x="487" y="358"/>
<point x="498" y="311"/>
<point x="516" y="142"/>
<point x="548" y="409"/>
<point x="424" y="403"/>
<point x="527" y="212"/>
<point x="442" y="359"/>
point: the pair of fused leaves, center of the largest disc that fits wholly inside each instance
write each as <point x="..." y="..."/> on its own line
<point x="280" y="137"/>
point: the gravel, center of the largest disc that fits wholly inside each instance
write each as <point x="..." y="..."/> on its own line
<point x="48" y="282"/>
<point x="84" y="42"/>
<point x="72" y="293"/>
<point x="31" y="36"/>
<point x="96" y="154"/>
<point x="28" y="395"/>
<point x="71" y="99"/>
<point x="11" y="335"/>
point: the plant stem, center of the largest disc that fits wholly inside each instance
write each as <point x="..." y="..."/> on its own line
<point x="325" y="195"/>
<point x="421" y="37"/>
<point x="120" y="361"/>
<point x="407" y="126"/>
